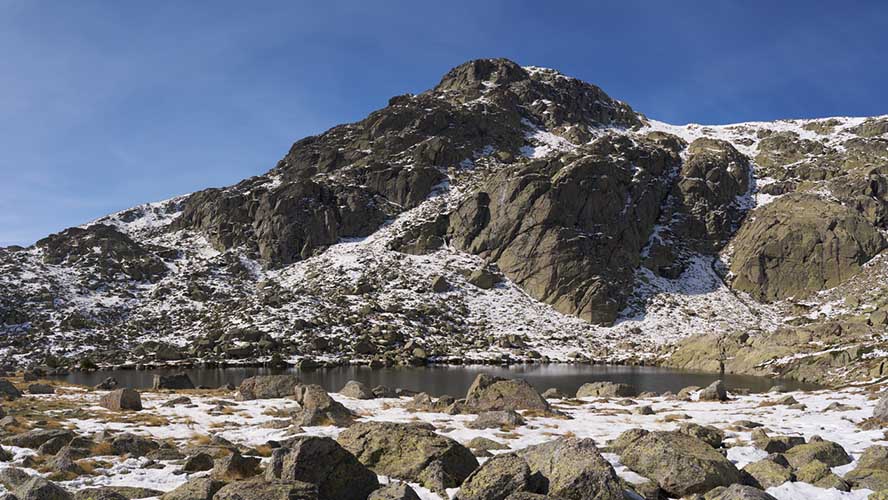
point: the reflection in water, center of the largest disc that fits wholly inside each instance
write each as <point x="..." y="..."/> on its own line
<point x="454" y="380"/>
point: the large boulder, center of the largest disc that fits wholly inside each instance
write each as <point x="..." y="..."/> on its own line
<point x="177" y="381"/>
<point x="737" y="492"/>
<point x="394" y="491"/>
<point x="122" y="399"/>
<point x="498" y="478"/>
<point x="714" y="392"/>
<point x="679" y="463"/>
<point x="258" y="489"/>
<point x="27" y="487"/>
<point x="410" y="452"/>
<point x="35" y="438"/>
<point x="202" y="488"/>
<point x="769" y="472"/>
<point x="572" y="469"/>
<point x="880" y="412"/>
<point x="133" y="445"/>
<point x="828" y="452"/>
<point x="9" y="391"/>
<point x="606" y="390"/>
<point x="489" y="393"/>
<point x="104" y="494"/>
<point x="356" y="390"/>
<point x="496" y="420"/>
<point x="318" y="408"/>
<point x="323" y="462"/>
<point x="874" y="457"/>
<point x="267" y="387"/>
<point x="235" y="467"/>
<point x="800" y="244"/>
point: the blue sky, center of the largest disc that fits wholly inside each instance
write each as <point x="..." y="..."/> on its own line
<point x="105" y="105"/>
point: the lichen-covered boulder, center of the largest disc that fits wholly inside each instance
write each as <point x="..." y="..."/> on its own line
<point x="257" y="489"/>
<point x="489" y="393"/>
<point x="267" y="387"/>
<point x="874" y="457"/>
<point x="828" y="452"/>
<point x="713" y="436"/>
<point x="737" y="492"/>
<point x="800" y="244"/>
<point x="323" y="462"/>
<point x="768" y="473"/>
<point x="409" y="452"/>
<point x="573" y="469"/>
<point x="499" y="477"/>
<point x="679" y="463"/>
<point x="819" y="474"/>
<point x="202" y="488"/>
<point x="394" y="491"/>
<point x="606" y="390"/>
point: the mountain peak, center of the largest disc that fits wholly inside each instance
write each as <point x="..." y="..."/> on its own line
<point x="480" y="73"/>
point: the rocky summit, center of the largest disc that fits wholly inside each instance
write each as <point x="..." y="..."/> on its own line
<point x="508" y="214"/>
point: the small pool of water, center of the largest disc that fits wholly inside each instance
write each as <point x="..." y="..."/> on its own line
<point x="454" y="380"/>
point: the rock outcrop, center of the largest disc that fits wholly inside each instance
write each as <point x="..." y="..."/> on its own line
<point x="801" y="244"/>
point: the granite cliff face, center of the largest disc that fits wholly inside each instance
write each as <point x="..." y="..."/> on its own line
<point x="509" y="212"/>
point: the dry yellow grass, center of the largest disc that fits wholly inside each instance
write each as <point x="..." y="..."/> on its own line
<point x="102" y="449"/>
<point x="264" y="450"/>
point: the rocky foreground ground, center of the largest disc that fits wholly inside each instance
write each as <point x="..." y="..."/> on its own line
<point x="273" y="438"/>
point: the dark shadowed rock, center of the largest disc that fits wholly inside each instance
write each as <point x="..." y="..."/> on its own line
<point x="235" y="467"/>
<point x="27" y="487"/>
<point x="321" y="461"/>
<point x="8" y="391"/>
<point x="122" y="399"/>
<point x="178" y="381"/>
<point x="202" y="488"/>
<point x="133" y="445"/>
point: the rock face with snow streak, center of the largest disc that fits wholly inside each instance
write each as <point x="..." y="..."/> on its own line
<point x="540" y="204"/>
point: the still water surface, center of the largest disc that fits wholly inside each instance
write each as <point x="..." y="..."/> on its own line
<point x="454" y="380"/>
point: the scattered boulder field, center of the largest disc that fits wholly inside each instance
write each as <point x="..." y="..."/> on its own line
<point x="275" y="438"/>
